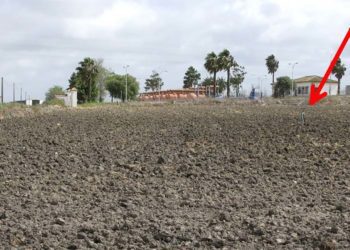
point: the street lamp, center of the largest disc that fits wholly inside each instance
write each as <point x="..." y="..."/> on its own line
<point x="293" y="66"/>
<point x="126" y="82"/>
<point x="261" y="82"/>
<point x="260" y="79"/>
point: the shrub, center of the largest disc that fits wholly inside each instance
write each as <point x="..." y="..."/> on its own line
<point x="55" y="102"/>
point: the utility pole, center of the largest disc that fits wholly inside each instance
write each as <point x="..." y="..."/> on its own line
<point x="126" y="82"/>
<point x="14" y="92"/>
<point x="261" y="83"/>
<point x="21" y="94"/>
<point x="293" y="66"/>
<point x="2" y="90"/>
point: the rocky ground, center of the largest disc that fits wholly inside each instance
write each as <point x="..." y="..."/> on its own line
<point x="176" y="177"/>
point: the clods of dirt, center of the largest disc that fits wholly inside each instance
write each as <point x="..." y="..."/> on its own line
<point x="176" y="176"/>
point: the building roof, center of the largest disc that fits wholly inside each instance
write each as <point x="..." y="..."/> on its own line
<point x="312" y="79"/>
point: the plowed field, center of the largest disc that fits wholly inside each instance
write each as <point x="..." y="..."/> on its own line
<point x="177" y="177"/>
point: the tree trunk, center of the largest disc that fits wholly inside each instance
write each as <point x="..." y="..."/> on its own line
<point x="100" y="92"/>
<point x="338" y="86"/>
<point x="228" y="83"/>
<point x="89" y="90"/>
<point x="214" y="84"/>
<point x="273" y="83"/>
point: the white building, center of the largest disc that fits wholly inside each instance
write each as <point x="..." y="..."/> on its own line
<point x="302" y="85"/>
<point x="31" y="102"/>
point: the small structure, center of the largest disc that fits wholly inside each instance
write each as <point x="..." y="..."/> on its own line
<point x="347" y="90"/>
<point x="302" y="86"/>
<point x="70" y="98"/>
<point x="31" y="102"/>
<point x="252" y="95"/>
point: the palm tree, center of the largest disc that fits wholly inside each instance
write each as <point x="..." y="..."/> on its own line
<point x="88" y="72"/>
<point x="226" y="62"/>
<point x="339" y="71"/>
<point x="272" y="66"/>
<point x="212" y="66"/>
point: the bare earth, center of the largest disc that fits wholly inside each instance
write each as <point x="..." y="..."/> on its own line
<point x="176" y="177"/>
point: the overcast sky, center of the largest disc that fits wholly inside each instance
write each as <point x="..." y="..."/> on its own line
<point x="42" y="41"/>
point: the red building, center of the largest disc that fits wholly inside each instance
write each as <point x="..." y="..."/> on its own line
<point x="180" y="94"/>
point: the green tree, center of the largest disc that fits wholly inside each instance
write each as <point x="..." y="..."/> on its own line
<point x="102" y="75"/>
<point x="73" y="80"/>
<point x="154" y="82"/>
<point x="192" y="77"/>
<point x="282" y="87"/>
<point x="87" y="72"/>
<point x="238" y="75"/>
<point x="339" y="71"/>
<point x="272" y="67"/>
<point x="212" y="66"/>
<point x="226" y="62"/>
<point x="52" y="92"/>
<point x="115" y="85"/>
<point x="221" y="83"/>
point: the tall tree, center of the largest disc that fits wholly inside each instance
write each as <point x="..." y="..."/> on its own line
<point x="339" y="71"/>
<point x="102" y="75"/>
<point x="272" y="67"/>
<point x="226" y="62"/>
<point x="115" y="84"/>
<point x="87" y="72"/>
<point x="154" y="82"/>
<point x="192" y="76"/>
<point x="73" y="80"/>
<point x="238" y="75"/>
<point x="212" y="66"/>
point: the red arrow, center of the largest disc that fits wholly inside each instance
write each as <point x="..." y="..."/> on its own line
<point x="315" y="93"/>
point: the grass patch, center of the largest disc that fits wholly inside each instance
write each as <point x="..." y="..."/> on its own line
<point x="8" y="106"/>
<point x="55" y="102"/>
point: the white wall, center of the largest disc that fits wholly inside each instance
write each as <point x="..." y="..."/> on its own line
<point x="331" y="88"/>
<point x="70" y="99"/>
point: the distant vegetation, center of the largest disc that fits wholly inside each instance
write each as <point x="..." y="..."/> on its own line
<point x="84" y="80"/>
<point x="339" y="71"/>
<point x="272" y="65"/>
<point x="52" y="92"/>
<point x="282" y="87"/>
<point x="225" y="62"/>
<point x="92" y="79"/>
<point x="191" y="78"/>
<point x="220" y="84"/>
<point x="154" y="82"/>
<point x="55" y="102"/>
<point x="116" y="86"/>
